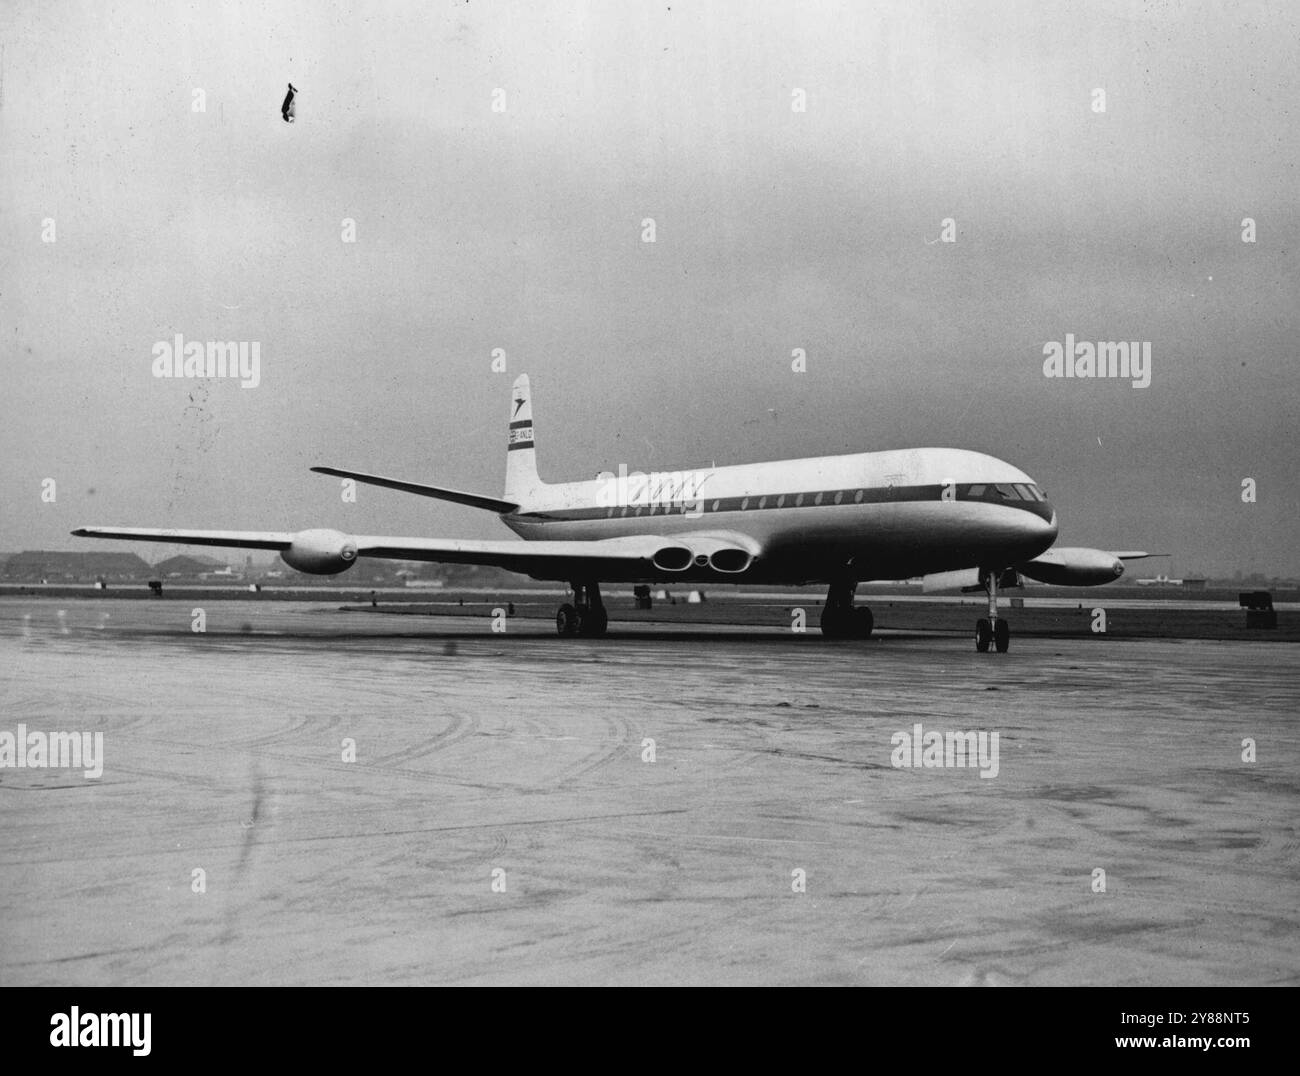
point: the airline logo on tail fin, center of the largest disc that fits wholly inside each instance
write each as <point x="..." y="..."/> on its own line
<point x="521" y="416"/>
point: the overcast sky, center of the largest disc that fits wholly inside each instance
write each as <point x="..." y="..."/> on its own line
<point x="774" y="230"/>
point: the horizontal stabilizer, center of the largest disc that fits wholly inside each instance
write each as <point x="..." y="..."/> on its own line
<point x="474" y="500"/>
<point x="238" y="539"/>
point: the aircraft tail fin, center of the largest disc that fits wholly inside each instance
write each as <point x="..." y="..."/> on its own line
<point x="522" y="479"/>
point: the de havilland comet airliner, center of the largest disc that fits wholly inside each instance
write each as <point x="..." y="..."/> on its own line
<point x="962" y="520"/>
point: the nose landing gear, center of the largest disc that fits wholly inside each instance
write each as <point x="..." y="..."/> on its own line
<point x="994" y="629"/>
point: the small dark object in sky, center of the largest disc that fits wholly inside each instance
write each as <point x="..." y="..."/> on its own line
<point x="287" y="109"/>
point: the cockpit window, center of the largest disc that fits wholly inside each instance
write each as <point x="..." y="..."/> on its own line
<point x="1006" y="491"/>
<point x="977" y="491"/>
<point x="1037" y="493"/>
<point x="1023" y="490"/>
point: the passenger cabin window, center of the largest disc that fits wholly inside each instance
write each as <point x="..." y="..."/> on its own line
<point x="762" y="502"/>
<point x="744" y="504"/>
<point x="817" y="499"/>
<point x="798" y="500"/>
<point x="715" y="505"/>
<point x="780" y="501"/>
<point x="857" y="497"/>
<point x="839" y="496"/>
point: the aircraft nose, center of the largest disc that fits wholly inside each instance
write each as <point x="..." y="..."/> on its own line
<point x="1043" y="531"/>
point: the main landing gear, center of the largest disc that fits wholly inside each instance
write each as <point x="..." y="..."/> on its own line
<point x="994" y="629"/>
<point x="586" y="615"/>
<point x="841" y="619"/>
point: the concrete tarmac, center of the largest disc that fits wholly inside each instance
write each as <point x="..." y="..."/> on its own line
<point x="502" y="822"/>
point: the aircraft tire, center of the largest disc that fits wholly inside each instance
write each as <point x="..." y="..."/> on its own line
<point x="863" y="622"/>
<point x="566" y="620"/>
<point x="834" y="624"/>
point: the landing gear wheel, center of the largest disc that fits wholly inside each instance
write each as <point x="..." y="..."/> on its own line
<point x="831" y="623"/>
<point x="566" y="620"/>
<point x="863" y="622"/>
<point x="838" y="623"/>
<point x="585" y="615"/>
<point x="983" y="635"/>
<point x="853" y="623"/>
<point x="593" y="622"/>
<point x="840" y="618"/>
<point x="1001" y="636"/>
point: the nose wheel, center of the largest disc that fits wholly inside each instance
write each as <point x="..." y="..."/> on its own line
<point x="992" y="629"/>
<point x="997" y="632"/>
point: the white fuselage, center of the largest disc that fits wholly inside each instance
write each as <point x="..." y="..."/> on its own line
<point x="874" y="515"/>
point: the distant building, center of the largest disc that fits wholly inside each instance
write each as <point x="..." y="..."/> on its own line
<point x="185" y="567"/>
<point x="34" y="565"/>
